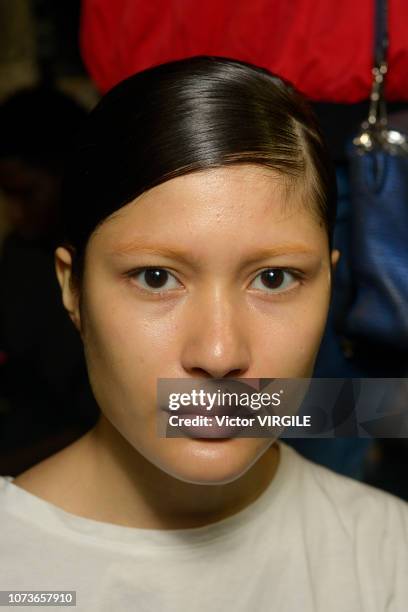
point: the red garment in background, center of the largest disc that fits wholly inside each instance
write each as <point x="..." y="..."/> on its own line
<point x="324" y="47"/>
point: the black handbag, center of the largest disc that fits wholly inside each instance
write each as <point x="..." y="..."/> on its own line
<point x="377" y="313"/>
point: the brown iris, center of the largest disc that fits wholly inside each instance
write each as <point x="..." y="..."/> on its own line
<point x="272" y="278"/>
<point x="155" y="277"/>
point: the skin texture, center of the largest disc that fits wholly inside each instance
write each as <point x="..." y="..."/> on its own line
<point x="213" y="317"/>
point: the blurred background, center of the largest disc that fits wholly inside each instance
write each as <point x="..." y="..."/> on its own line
<point x="56" y="60"/>
<point x="45" y="399"/>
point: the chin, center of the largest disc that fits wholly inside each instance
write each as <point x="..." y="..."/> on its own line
<point x="213" y="461"/>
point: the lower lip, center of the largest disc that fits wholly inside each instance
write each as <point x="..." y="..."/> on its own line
<point x="211" y="431"/>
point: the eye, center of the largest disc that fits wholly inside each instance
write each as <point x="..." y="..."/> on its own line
<point x="275" y="280"/>
<point x="155" y="279"/>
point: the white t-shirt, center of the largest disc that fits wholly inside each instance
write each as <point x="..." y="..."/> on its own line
<point x="314" y="541"/>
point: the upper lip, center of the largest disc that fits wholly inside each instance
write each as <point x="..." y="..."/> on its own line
<point x="235" y="409"/>
<point x="230" y="410"/>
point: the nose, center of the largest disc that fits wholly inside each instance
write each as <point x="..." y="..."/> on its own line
<point x="216" y="343"/>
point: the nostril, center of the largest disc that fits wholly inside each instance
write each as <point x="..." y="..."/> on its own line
<point x="199" y="373"/>
<point x="216" y="373"/>
<point x="235" y="373"/>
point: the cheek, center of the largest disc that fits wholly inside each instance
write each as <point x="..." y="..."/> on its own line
<point x="306" y="331"/>
<point x="290" y="336"/>
<point x="126" y="349"/>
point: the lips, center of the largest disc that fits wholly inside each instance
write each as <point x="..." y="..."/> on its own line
<point x="204" y="400"/>
<point x="232" y="410"/>
<point x="209" y="430"/>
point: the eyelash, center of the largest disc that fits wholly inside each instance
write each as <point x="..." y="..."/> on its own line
<point x="132" y="274"/>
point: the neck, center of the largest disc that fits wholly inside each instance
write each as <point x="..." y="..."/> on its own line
<point x="151" y="498"/>
<point x="102" y="477"/>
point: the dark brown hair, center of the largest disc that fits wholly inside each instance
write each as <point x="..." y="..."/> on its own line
<point x="186" y="116"/>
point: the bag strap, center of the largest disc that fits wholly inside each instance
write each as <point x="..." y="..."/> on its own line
<point x="377" y="114"/>
<point x="380" y="32"/>
<point x="373" y="132"/>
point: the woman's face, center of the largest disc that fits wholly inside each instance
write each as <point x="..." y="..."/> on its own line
<point x="240" y="288"/>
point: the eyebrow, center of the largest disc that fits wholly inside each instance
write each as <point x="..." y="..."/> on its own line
<point x="131" y="248"/>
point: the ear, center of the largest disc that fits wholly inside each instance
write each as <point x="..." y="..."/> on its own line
<point x="63" y="269"/>
<point x="334" y="257"/>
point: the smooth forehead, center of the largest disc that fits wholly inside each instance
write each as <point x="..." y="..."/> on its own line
<point x="234" y="200"/>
